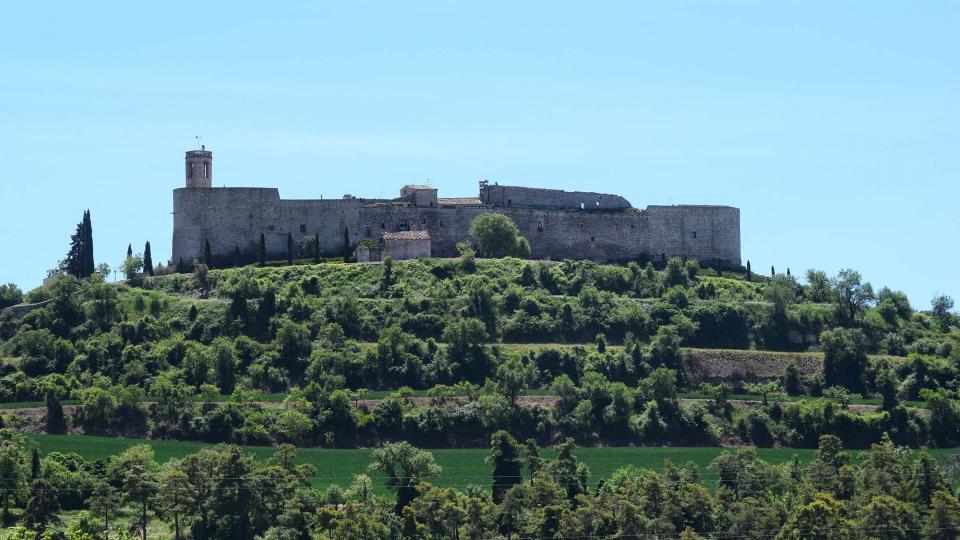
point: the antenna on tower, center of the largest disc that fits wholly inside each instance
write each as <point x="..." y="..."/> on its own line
<point x="197" y="137"/>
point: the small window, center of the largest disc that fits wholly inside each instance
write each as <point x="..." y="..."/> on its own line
<point x="540" y="225"/>
<point x="581" y="226"/>
<point x="582" y="206"/>
<point x="368" y="232"/>
<point x="303" y="228"/>
<point x="509" y="202"/>
<point x="441" y="223"/>
<point x="693" y="234"/>
<point x="423" y="221"/>
<point x="272" y="228"/>
<point x="598" y="203"/>
<point x="593" y="239"/>
<point x="383" y="226"/>
<point x="206" y="170"/>
<point x="189" y="170"/>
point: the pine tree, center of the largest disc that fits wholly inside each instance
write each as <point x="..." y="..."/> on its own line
<point x="346" y="245"/>
<point x="147" y="259"/>
<point x="289" y="249"/>
<point x="316" y="248"/>
<point x="104" y="501"/>
<point x="505" y="458"/>
<point x="207" y="256"/>
<point x="263" y="250"/>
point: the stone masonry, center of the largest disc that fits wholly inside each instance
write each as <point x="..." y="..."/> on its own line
<point x="559" y="224"/>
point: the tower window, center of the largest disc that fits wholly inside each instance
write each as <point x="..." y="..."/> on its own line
<point x="206" y="170"/>
<point x="441" y="223"/>
<point x="189" y="170"/>
<point x="303" y="228"/>
<point x="383" y="225"/>
<point x="540" y="225"/>
<point x="509" y="202"/>
<point x="693" y="234"/>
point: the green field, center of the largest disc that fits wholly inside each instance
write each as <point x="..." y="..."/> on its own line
<point x="461" y="467"/>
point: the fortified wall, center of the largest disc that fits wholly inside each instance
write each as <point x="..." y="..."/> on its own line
<point x="558" y="224"/>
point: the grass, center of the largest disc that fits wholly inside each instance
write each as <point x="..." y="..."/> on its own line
<point x="461" y="467"/>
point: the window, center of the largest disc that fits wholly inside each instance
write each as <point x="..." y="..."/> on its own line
<point x="441" y="223"/>
<point x="540" y="225"/>
<point x="593" y="239"/>
<point x="693" y="234"/>
<point x="303" y="228"/>
<point x="206" y="170"/>
<point x="509" y="202"/>
<point x="368" y="232"/>
<point x="598" y="203"/>
<point x="581" y="225"/>
<point x="581" y="206"/>
<point x="423" y="221"/>
<point x="272" y="228"/>
<point x="383" y="226"/>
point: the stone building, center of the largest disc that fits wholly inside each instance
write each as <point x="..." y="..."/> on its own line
<point x="558" y="224"/>
<point x="406" y="245"/>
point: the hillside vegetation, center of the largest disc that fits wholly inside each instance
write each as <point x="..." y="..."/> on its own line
<point x="608" y="346"/>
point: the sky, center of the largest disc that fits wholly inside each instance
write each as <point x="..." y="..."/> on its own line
<point x="833" y="126"/>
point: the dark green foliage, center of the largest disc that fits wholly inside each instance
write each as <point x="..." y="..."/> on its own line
<point x="10" y="295"/>
<point x="844" y="358"/>
<point x="79" y="260"/>
<point x="56" y="423"/>
<point x="498" y="236"/>
<point x="507" y="464"/>
<point x="289" y="249"/>
<point x="316" y="248"/>
<point x="207" y="256"/>
<point x="262" y="251"/>
<point x="147" y="259"/>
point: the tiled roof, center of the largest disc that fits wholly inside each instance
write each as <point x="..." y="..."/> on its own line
<point x="407" y="235"/>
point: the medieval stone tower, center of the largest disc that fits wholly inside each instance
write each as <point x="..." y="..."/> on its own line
<point x="199" y="168"/>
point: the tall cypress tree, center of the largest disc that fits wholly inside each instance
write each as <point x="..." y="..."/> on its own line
<point x="316" y="248"/>
<point x="88" y="264"/>
<point x="129" y="250"/>
<point x="263" y="250"/>
<point x="236" y="256"/>
<point x="147" y="259"/>
<point x="346" y="245"/>
<point x="73" y="264"/>
<point x="749" y="273"/>
<point x="289" y="249"/>
<point x="206" y="254"/>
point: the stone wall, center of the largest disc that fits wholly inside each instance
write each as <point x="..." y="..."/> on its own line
<point x="523" y="197"/>
<point x="235" y="217"/>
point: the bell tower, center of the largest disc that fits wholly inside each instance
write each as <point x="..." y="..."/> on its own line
<point x="199" y="168"/>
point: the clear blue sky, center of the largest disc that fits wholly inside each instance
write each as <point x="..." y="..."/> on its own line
<point x="834" y="126"/>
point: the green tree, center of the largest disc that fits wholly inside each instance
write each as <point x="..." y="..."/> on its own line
<point x="263" y="250"/>
<point x="676" y="273"/>
<point x="821" y="519"/>
<point x="10" y="295"/>
<point x="226" y="367"/>
<point x="940" y="307"/>
<point x="404" y="466"/>
<point x="844" y="358"/>
<point x="818" y="286"/>
<point x="943" y="521"/>
<point x="42" y="504"/>
<point x="103" y="502"/>
<point x="13" y="477"/>
<point x="387" y="278"/>
<point x="498" y="236"/>
<point x="132" y="266"/>
<point x="851" y="293"/>
<point x="749" y="272"/>
<point x="56" y="423"/>
<point x="513" y="376"/>
<point x="289" y="249"/>
<point x="147" y="259"/>
<point x="140" y="489"/>
<point x="506" y="460"/>
<point x="887" y="518"/>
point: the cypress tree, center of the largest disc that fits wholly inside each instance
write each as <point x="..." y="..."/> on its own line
<point x="749" y="273"/>
<point x="236" y="256"/>
<point x="88" y="264"/>
<point x="263" y="250"/>
<point x="55" y="421"/>
<point x="129" y="250"/>
<point x="289" y="249"/>
<point x="73" y="264"/>
<point x="316" y="248"/>
<point x="147" y="259"/>
<point x="772" y="271"/>
<point x="346" y="245"/>
<point x="206" y="254"/>
<point x="788" y="271"/>
<point x="34" y="463"/>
